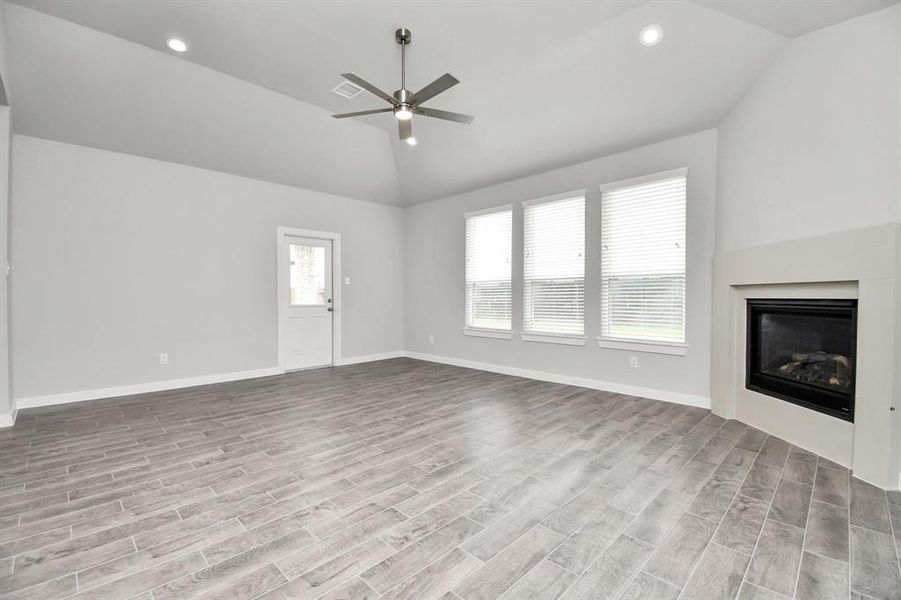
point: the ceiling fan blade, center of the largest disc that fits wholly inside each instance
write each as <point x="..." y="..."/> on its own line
<point x="405" y="129"/>
<point x="443" y="83"/>
<point x="363" y="112"/>
<point x="444" y="114"/>
<point x="368" y="87"/>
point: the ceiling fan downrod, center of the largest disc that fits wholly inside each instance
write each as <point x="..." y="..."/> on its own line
<point x="404" y="97"/>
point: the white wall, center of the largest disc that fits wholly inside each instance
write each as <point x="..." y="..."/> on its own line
<point x="118" y="258"/>
<point x="814" y="146"/>
<point x="435" y="261"/>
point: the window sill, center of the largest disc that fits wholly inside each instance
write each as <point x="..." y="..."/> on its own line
<point x="498" y="334"/>
<point x="674" y="349"/>
<point x="553" y="338"/>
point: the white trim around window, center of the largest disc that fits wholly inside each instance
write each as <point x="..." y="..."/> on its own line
<point x="487" y="211"/>
<point x="577" y="193"/>
<point x="553" y="338"/>
<point x="614" y="185"/>
<point x="671" y="348"/>
<point x="498" y="334"/>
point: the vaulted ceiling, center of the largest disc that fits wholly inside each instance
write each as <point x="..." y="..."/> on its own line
<point x="550" y="82"/>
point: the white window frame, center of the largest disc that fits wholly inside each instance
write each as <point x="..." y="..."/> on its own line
<point x="487" y="332"/>
<point x="549" y="337"/>
<point x="640" y="345"/>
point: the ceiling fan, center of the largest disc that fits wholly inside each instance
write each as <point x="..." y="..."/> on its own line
<point x="405" y="104"/>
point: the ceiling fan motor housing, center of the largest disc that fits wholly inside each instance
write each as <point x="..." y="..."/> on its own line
<point x="403" y="96"/>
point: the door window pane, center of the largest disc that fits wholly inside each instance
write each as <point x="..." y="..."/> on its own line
<point x="307" y="275"/>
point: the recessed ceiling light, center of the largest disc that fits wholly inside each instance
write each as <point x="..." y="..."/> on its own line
<point x="650" y="35"/>
<point x="411" y="141"/>
<point x="177" y="45"/>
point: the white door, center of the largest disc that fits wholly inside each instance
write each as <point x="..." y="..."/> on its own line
<point x="309" y="314"/>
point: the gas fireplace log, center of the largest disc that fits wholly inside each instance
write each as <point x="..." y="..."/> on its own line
<point x="842" y="370"/>
<point x="789" y="368"/>
<point x="818" y="368"/>
<point x="814" y="357"/>
<point x="810" y="357"/>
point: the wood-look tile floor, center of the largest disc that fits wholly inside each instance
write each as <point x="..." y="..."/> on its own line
<point x="410" y="480"/>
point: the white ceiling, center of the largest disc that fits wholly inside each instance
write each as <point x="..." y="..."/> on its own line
<point x="550" y="83"/>
<point x="71" y="84"/>
<point x="793" y="18"/>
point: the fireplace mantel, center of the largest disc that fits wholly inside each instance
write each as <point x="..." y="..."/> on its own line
<point x="862" y="264"/>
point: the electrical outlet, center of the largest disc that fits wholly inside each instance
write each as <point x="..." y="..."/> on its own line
<point x="347" y="281"/>
<point x="431" y="339"/>
<point x="633" y="362"/>
<point x="164" y="359"/>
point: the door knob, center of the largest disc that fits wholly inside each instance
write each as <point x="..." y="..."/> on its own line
<point x="330" y="309"/>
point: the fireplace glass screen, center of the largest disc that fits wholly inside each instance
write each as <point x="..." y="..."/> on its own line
<point x="803" y="351"/>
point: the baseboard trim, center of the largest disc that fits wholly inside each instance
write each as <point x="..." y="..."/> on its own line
<point x="172" y="384"/>
<point x="595" y="384"/>
<point x="354" y="360"/>
<point x="8" y="419"/>
<point x="142" y="388"/>
<point x="159" y="386"/>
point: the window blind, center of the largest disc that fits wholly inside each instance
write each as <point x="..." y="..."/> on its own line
<point x="488" y="251"/>
<point x="643" y="260"/>
<point x="554" y="266"/>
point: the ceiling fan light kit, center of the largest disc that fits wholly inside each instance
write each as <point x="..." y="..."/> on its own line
<point x="405" y="104"/>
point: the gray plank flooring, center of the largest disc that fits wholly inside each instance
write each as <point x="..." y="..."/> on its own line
<point x="408" y="480"/>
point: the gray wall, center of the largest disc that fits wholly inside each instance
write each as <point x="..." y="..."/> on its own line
<point x="119" y="258"/>
<point x="813" y="147"/>
<point x="435" y="258"/>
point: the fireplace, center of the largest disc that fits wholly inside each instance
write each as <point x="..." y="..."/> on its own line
<point x="803" y="351"/>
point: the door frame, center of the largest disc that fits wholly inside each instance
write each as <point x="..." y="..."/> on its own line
<point x="282" y="282"/>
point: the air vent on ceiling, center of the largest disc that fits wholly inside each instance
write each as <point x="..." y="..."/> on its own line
<point x="346" y="89"/>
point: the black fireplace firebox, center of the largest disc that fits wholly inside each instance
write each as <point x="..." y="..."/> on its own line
<point x="803" y="351"/>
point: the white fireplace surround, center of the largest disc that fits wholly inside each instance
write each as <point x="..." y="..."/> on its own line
<point x="862" y="264"/>
<point x="818" y="432"/>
